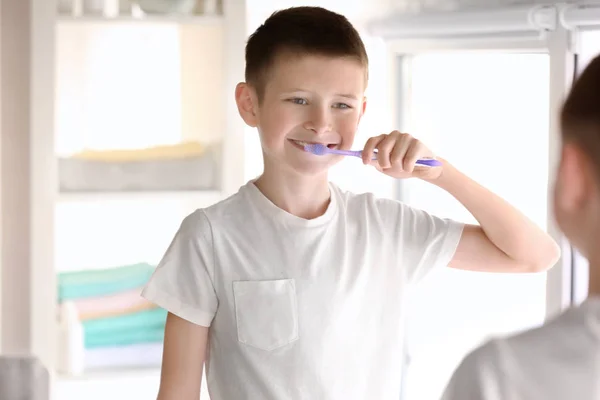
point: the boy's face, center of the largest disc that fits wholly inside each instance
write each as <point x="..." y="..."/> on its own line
<point x="577" y="199"/>
<point x="311" y="99"/>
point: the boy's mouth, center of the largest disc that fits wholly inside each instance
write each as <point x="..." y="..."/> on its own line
<point x="301" y="143"/>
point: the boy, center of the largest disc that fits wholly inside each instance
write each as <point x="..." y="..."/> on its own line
<point x="560" y="360"/>
<point x="295" y="285"/>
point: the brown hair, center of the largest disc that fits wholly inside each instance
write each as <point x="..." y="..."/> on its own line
<point x="580" y="116"/>
<point x="301" y="30"/>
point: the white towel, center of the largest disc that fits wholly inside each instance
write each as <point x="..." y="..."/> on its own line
<point x="143" y="355"/>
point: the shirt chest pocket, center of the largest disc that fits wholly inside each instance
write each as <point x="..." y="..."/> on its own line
<point x="266" y="313"/>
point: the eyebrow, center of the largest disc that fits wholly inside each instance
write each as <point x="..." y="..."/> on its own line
<point x="345" y="95"/>
<point x="348" y="96"/>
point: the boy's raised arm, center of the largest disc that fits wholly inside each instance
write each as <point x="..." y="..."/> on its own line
<point x="183" y="359"/>
<point x="505" y="240"/>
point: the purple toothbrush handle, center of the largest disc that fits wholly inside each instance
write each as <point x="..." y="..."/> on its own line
<point x="354" y="153"/>
<point x="358" y="153"/>
<point x="423" y="161"/>
<point x="429" y="162"/>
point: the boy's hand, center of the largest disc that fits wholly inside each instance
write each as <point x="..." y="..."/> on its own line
<point x="397" y="154"/>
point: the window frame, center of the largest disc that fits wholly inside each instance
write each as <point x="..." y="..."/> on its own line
<point x="509" y="33"/>
<point x="559" y="42"/>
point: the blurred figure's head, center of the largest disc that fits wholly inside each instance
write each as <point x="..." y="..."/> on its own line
<point x="577" y="189"/>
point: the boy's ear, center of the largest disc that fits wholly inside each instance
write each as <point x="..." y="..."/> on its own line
<point x="575" y="178"/>
<point x="363" y="108"/>
<point x="245" y="99"/>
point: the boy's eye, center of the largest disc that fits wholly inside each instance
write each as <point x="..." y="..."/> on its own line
<point x="298" y="100"/>
<point x="342" y="105"/>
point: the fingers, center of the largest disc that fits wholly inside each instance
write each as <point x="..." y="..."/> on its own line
<point x="395" y="150"/>
<point x="370" y="146"/>
<point x="397" y="155"/>
<point x="413" y="153"/>
<point x="391" y="150"/>
<point x="406" y="146"/>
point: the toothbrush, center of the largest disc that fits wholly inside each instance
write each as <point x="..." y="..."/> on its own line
<point x="320" y="150"/>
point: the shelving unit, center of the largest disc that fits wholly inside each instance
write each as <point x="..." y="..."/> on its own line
<point x="188" y="20"/>
<point x="201" y="108"/>
<point x="202" y="198"/>
<point x="115" y="384"/>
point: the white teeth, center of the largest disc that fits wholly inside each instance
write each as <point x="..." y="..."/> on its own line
<point x="302" y="143"/>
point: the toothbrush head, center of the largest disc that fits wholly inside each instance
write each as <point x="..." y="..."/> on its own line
<point x="316" y="148"/>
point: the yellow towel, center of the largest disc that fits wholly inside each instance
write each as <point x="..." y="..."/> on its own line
<point x="162" y="152"/>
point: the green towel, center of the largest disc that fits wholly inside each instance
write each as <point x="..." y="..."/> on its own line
<point x="83" y="284"/>
<point x="125" y="337"/>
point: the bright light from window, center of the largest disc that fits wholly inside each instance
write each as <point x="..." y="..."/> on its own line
<point x="589" y="46"/>
<point x="488" y="114"/>
<point x="120" y="87"/>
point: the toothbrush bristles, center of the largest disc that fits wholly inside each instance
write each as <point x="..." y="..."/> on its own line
<point x="316" y="148"/>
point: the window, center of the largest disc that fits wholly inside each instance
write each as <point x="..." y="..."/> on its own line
<point x="589" y="47"/>
<point x="487" y="113"/>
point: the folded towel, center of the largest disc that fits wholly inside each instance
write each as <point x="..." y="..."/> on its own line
<point x="138" y="321"/>
<point x="102" y="282"/>
<point x="112" y="305"/>
<point x="116" y="312"/>
<point x="125" y="337"/>
<point x="133" y="356"/>
<point x="161" y="152"/>
<point x="82" y="277"/>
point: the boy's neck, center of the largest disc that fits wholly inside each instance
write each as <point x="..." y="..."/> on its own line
<point x="302" y="196"/>
<point x="594" y="278"/>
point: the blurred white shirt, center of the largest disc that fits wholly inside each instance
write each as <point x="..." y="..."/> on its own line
<point x="558" y="361"/>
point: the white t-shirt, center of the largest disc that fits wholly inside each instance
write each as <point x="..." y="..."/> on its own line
<point x="301" y="309"/>
<point x="558" y="361"/>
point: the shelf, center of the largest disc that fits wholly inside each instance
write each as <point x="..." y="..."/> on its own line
<point x="114" y="384"/>
<point x="113" y="374"/>
<point x="178" y="19"/>
<point x="203" y="198"/>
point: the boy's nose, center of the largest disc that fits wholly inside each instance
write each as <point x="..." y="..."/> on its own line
<point x="319" y="122"/>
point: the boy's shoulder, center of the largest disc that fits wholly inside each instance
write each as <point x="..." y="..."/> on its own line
<point x="560" y="339"/>
<point x="537" y="360"/>
<point x="231" y="207"/>
<point x="563" y="333"/>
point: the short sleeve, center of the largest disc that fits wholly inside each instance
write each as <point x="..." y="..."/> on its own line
<point x="183" y="280"/>
<point x="477" y="377"/>
<point x="426" y="241"/>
